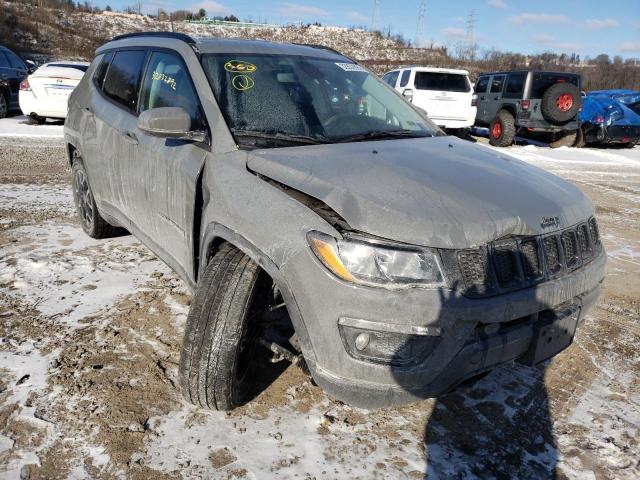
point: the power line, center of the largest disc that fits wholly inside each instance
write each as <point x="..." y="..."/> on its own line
<point x="420" y="30"/>
<point x="374" y="14"/>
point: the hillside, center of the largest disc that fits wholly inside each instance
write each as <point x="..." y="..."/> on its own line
<point x="35" y="31"/>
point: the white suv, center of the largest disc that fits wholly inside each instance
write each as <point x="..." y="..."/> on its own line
<point x="445" y="94"/>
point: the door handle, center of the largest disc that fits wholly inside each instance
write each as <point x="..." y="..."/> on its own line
<point x="130" y="137"/>
<point x="482" y="97"/>
<point x="496" y="98"/>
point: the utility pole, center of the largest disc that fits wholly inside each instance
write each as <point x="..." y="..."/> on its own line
<point x="374" y="15"/>
<point x="471" y="35"/>
<point x="420" y="30"/>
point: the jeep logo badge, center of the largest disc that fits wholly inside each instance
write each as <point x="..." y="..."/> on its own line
<point x="550" y="222"/>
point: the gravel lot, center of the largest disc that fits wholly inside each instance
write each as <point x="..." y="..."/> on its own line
<point x="90" y="333"/>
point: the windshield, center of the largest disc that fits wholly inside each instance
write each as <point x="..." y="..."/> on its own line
<point x="302" y="100"/>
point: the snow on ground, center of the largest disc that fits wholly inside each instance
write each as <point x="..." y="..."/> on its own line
<point x="19" y="127"/>
<point x="106" y="372"/>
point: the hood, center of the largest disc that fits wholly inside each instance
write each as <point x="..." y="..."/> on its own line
<point x="439" y="192"/>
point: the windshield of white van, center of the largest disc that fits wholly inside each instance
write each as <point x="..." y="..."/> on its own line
<point x="443" y="82"/>
<point x="279" y="100"/>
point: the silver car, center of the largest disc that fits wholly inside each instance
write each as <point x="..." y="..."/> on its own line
<point x="322" y="220"/>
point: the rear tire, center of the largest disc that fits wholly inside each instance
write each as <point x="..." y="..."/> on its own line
<point x="565" y="140"/>
<point x="92" y="222"/>
<point x="216" y="353"/>
<point x="630" y="144"/>
<point x="502" y="130"/>
<point x="4" y="106"/>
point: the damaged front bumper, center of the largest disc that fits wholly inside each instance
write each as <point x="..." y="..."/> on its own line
<point x="433" y="340"/>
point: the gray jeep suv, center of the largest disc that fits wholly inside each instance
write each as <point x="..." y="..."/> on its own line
<point x="321" y="219"/>
<point x="529" y="102"/>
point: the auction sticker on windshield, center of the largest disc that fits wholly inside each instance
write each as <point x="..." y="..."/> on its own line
<point x="351" y="67"/>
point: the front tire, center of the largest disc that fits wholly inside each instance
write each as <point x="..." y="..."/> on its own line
<point x="502" y="130"/>
<point x="92" y="222"/>
<point x="217" y="348"/>
<point x="565" y="140"/>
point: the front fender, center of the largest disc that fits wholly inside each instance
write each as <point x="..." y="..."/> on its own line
<point x="215" y="232"/>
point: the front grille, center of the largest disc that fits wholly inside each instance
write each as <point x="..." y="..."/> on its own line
<point x="516" y="263"/>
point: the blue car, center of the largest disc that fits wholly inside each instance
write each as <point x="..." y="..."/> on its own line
<point x="611" y="117"/>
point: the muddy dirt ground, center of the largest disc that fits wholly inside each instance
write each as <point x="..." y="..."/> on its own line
<point x="90" y="333"/>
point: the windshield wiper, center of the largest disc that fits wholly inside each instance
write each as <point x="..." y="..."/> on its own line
<point x="381" y="134"/>
<point x="280" y="136"/>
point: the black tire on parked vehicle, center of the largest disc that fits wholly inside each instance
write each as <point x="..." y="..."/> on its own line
<point x="4" y="106"/>
<point x="580" y="140"/>
<point x="564" y="139"/>
<point x="218" y="347"/>
<point x="630" y="144"/>
<point x="92" y="222"/>
<point x="502" y="129"/>
<point x="561" y="102"/>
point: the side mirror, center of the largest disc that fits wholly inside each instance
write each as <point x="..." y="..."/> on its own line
<point x="407" y="93"/>
<point x="31" y="66"/>
<point x="169" y="122"/>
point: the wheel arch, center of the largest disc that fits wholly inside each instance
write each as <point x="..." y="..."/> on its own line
<point x="509" y="107"/>
<point x="216" y="234"/>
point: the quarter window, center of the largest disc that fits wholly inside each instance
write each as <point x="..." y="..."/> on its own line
<point x="515" y="85"/>
<point x="481" y="86"/>
<point x="101" y="71"/>
<point x="405" y="78"/>
<point x="15" y="61"/>
<point x="4" y="63"/>
<point x="123" y="77"/>
<point x="497" y="83"/>
<point x="392" y="78"/>
<point x="167" y="84"/>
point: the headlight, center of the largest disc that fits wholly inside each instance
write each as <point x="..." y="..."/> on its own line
<point x="360" y="260"/>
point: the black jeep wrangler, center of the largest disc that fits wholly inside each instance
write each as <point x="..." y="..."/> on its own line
<point x="529" y="102"/>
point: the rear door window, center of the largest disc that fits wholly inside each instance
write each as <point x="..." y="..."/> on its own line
<point x="443" y="82"/>
<point x="15" y="61"/>
<point x="123" y="77"/>
<point x="515" y="85"/>
<point x="482" y="84"/>
<point x="404" y="80"/>
<point x="497" y="83"/>
<point x="542" y="81"/>
<point x="167" y="84"/>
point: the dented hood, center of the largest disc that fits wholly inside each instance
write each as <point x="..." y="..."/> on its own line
<point x="439" y="192"/>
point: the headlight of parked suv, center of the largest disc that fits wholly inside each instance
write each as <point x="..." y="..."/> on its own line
<point x="362" y="260"/>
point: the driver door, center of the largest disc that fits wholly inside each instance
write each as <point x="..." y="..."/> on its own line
<point x="170" y="167"/>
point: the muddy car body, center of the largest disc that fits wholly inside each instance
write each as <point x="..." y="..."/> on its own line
<point x="408" y="261"/>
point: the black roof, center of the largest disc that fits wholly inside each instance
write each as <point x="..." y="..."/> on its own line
<point x="178" y="36"/>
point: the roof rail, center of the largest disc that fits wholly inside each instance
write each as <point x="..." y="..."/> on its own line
<point x="178" y="36"/>
<point x="323" y="47"/>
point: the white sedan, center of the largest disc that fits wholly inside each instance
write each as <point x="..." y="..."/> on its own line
<point x="45" y="92"/>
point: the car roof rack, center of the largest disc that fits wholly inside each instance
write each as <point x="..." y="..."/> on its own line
<point x="175" y="35"/>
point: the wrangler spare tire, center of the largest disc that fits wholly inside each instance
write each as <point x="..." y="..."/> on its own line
<point x="561" y="102"/>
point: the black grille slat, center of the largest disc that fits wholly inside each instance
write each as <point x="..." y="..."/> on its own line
<point x="584" y="241"/>
<point x="552" y="255"/>
<point x="593" y="231"/>
<point x="571" y="248"/>
<point x="531" y="258"/>
<point x="473" y="264"/>
<point x="505" y="262"/>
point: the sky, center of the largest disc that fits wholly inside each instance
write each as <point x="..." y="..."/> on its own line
<point x="585" y="27"/>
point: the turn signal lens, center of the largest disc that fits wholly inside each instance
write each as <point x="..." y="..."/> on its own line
<point x="326" y="250"/>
